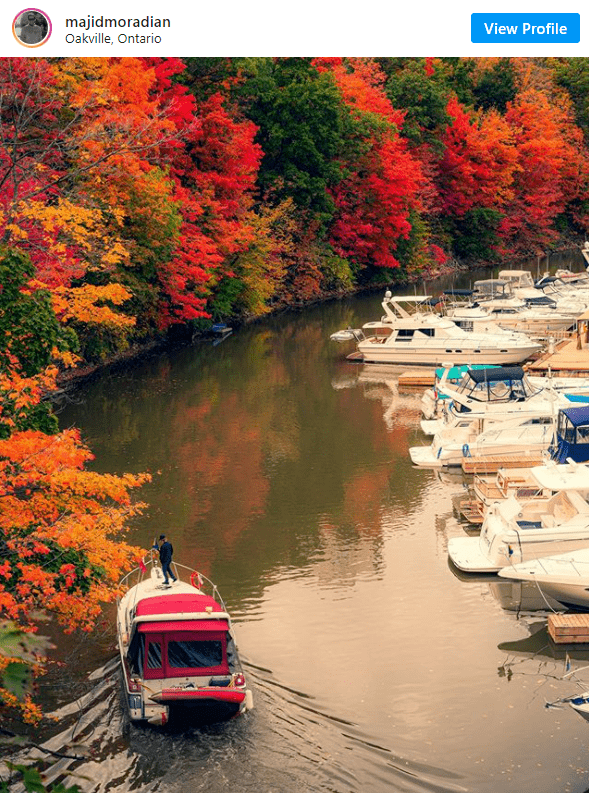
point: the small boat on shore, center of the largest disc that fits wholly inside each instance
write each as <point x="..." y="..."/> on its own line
<point x="178" y="653"/>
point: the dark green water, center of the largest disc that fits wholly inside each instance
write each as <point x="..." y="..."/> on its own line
<point x="282" y="472"/>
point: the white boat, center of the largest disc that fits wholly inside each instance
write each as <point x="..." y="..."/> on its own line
<point x="502" y="393"/>
<point x="178" y="653"/>
<point x="515" y="531"/>
<point x="423" y="337"/>
<point x="562" y="577"/>
<point x="499" y="303"/>
<point x="449" y="447"/>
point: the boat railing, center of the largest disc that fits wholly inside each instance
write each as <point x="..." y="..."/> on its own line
<point x="196" y="578"/>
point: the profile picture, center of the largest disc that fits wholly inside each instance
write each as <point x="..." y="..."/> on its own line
<point x="31" y="27"/>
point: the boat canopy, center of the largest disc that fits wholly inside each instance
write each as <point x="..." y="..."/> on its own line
<point x="459" y="292"/>
<point x="544" y="300"/>
<point x="493" y="288"/>
<point x="572" y="435"/>
<point x="486" y="374"/>
<point x="500" y="384"/>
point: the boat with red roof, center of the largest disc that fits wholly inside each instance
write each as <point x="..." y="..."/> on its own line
<point x="178" y="652"/>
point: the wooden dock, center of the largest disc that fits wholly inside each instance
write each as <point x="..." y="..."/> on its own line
<point x="424" y="379"/>
<point x="492" y="463"/>
<point x="471" y="509"/>
<point x="569" y="628"/>
<point x="569" y="358"/>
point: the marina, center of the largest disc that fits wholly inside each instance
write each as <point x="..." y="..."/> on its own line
<point x="284" y="474"/>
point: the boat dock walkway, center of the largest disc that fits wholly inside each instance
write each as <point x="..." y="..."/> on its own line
<point x="569" y="357"/>
<point x="490" y="464"/>
<point x="569" y="628"/>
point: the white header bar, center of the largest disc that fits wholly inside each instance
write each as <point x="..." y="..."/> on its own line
<point x="265" y="28"/>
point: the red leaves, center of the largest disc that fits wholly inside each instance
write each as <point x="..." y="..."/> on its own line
<point x="374" y="202"/>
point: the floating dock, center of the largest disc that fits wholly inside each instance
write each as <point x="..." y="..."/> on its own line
<point x="492" y="463"/>
<point x="569" y="628"/>
<point x="568" y="357"/>
<point x="471" y="509"/>
<point x="424" y="379"/>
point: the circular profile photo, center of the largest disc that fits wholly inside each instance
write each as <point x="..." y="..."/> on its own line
<point x="31" y="27"/>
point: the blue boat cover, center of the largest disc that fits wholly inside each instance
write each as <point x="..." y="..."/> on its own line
<point x="498" y="373"/>
<point x="577" y="416"/>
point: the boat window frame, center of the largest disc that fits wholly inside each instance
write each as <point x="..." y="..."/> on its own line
<point x="166" y="670"/>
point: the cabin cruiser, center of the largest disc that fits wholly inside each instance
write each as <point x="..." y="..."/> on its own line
<point x="423" y="337"/>
<point x="178" y="653"/>
<point x="496" y="303"/>
<point x="515" y="531"/>
<point x="432" y="399"/>
<point x="571" y="442"/>
<point x="501" y="393"/>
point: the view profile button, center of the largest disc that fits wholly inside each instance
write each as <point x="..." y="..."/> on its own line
<point x="525" y="28"/>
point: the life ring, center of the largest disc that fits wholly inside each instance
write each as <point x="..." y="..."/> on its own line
<point x="196" y="580"/>
<point x="466" y="450"/>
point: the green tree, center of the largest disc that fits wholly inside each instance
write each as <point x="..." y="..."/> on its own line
<point x="302" y="125"/>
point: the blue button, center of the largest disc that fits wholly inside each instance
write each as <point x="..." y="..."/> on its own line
<point x="525" y="28"/>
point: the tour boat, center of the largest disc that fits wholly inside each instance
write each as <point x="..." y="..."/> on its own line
<point x="515" y="532"/>
<point x="426" y="338"/>
<point x="178" y="653"/>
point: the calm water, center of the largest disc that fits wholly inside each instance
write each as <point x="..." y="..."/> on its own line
<point x="282" y="472"/>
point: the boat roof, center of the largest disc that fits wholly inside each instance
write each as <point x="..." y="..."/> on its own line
<point x="562" y="477"/>
<point x="457" y="371"/>
<point x="542" y="300"/>
<point x="577" y="416"/>
<point x="409" y="298"/>
<point x="181" y="603"/>
<point x="488" y="374"/>
<point x="183" y="625"/>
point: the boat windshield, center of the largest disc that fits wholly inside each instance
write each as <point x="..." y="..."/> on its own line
<point x="504" y="384"/>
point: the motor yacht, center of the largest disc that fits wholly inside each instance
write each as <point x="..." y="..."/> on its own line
<point x="424" y="337"/>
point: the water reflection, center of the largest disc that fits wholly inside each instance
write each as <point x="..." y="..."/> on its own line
<point x="282" y="472"/>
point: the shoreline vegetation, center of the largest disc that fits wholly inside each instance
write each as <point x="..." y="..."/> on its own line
<point x="144" y="199"/>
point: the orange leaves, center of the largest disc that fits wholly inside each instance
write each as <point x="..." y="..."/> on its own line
<point x="60" y="524"/>
<point x="86" y="304"/>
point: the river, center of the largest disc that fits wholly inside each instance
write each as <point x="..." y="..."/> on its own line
<point x="282" y="472"/>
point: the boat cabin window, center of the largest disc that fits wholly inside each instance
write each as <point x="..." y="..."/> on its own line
<point x="154" y="654"/>
<point x="428" y="331"/>
<point x="175" y="653"/>
<point x="191" y="654"/>
<point x="405" y="334"/>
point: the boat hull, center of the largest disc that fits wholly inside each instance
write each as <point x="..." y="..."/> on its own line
<point x="374" y="351"/>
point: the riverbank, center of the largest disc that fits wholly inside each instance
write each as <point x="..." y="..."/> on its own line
<point x="182" y="335"/>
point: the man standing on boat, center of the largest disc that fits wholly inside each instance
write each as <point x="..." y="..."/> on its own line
<point x="166" y="550"/>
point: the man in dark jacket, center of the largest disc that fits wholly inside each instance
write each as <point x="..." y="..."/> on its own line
<point x="166" y="550"/>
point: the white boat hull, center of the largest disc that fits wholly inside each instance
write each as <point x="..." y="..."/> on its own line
<point x="375" y="351"/>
